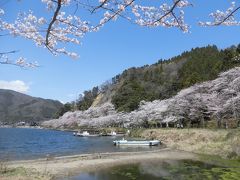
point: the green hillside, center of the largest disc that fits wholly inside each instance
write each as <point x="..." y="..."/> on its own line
<point x="163" y="79"/>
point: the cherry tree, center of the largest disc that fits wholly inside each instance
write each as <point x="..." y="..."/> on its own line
<point x="218" y="99"/>
<point x="63" y="24"/>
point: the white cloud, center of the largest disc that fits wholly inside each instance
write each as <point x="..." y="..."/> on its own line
<point x="16" y="85"/>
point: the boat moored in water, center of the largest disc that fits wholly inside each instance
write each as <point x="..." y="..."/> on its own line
<point x="136" y="142"/>
<point x="85" y="134"/>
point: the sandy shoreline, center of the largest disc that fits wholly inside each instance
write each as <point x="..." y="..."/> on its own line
<point x="72" y="165"/>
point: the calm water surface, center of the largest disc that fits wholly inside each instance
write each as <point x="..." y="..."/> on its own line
<point x="22" y="143"/>
<point x="165" y="170"/>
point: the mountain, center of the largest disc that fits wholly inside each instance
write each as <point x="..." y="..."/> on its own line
<point x="161" y="80"/>
<point x="16" y="107"/>
<point x="214" y="103"/>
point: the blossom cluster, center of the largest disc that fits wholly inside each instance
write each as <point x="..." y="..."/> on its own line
<point x="20" y="62"/>
<point x="223" y="18"/>
<point x="161" y="16"/>
<point x="66" y="27"/>
<point x="166" y="15"/>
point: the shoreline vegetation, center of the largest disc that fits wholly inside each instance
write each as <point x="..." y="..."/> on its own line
<point x="219" y="142"/>
<point x="180" y="144"/>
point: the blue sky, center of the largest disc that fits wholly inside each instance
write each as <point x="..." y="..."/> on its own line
<point x="116" y="47"/>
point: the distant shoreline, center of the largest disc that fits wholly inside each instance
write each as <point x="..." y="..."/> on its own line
<point x="27" y="127"/>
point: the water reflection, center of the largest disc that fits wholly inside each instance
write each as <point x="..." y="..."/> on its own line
<point x="167" y="169"/>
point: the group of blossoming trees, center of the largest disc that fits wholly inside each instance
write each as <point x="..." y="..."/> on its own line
<point x="63" y="24"/>
<point x="217" y="100"/>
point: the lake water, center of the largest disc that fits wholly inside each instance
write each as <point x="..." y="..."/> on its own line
<point x="165" y="170"/>
<point x="26" y="143"/>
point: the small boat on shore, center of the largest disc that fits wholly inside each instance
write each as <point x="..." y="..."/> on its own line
<point x="136" y="143"/>
<point x="85" y="134"/>
<point x="113" y="133"/>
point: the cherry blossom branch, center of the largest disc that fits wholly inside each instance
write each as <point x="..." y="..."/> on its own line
<point x="20" y="62"/>
<point x="91" y="7"/>
<point x="108" y="16"/>
<point x="223" y="18"/>
<point x="228" y="16"/>
<point x="59" y="4"/>
<point x="67" y="28"/>
<point x="167" y="13"/>
<point x="64" y="27"/>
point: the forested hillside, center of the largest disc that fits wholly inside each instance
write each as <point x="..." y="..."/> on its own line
<point x="161" y="80"/>
<point x="16" y="107"/>
<point x="165" y="78"/>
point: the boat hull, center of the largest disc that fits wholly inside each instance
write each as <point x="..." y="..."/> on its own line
<point x="90" y="135"/>
<point x="136" y="143"/>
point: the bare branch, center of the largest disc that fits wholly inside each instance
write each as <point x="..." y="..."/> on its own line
<point x="100" y="6"/>
<point x="59" y="4"/>
<point x="8" y="52"/>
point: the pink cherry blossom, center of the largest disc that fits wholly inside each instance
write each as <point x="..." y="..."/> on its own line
<point x="65" y="27"/>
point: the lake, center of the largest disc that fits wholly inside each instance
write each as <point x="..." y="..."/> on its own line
<point x="29" y="143"/>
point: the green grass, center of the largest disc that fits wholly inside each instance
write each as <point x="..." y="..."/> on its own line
<point x="21" y="173"/>
<point x="223" y="142"/>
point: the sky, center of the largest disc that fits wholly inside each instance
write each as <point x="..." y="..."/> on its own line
<point x="117" y="46"/>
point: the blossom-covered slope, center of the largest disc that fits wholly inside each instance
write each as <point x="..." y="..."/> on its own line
<point x="218" y="100"/>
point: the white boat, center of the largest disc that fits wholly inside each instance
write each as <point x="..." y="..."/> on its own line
<point x="136" y="143"/>
<point x="113" y="133"/>
<point x="85" y="134"/>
